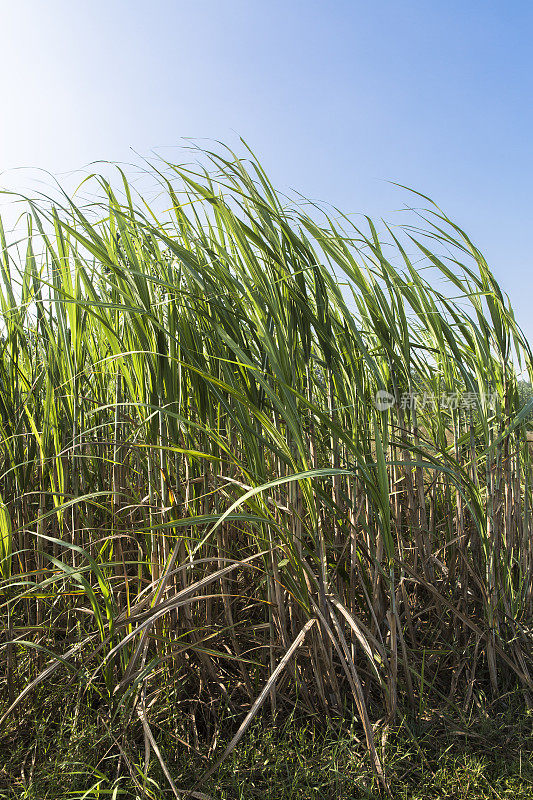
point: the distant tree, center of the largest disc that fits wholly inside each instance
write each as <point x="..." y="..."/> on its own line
<point x="525" y="393"/>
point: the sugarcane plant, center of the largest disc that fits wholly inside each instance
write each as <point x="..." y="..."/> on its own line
<point x="257" y="455"/>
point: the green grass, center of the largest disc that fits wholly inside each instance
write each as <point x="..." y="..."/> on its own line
<point x="438" y="758"/>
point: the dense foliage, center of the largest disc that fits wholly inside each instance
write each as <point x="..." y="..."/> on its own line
<point x="253" y="454"/>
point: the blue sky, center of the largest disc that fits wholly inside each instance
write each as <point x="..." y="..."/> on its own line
<point x="337" y="98"/>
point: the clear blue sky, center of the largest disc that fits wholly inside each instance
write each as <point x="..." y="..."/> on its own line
<point x="336" y="97"/>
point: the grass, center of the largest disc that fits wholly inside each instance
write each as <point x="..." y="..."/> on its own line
<point x="206" y="516"/>
<point x="436" y="758"/>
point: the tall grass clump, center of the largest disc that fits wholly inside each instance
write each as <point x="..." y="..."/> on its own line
<point x="256" y="458"/>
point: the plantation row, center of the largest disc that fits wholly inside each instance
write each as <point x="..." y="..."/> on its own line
<point x="232" y="470"/>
